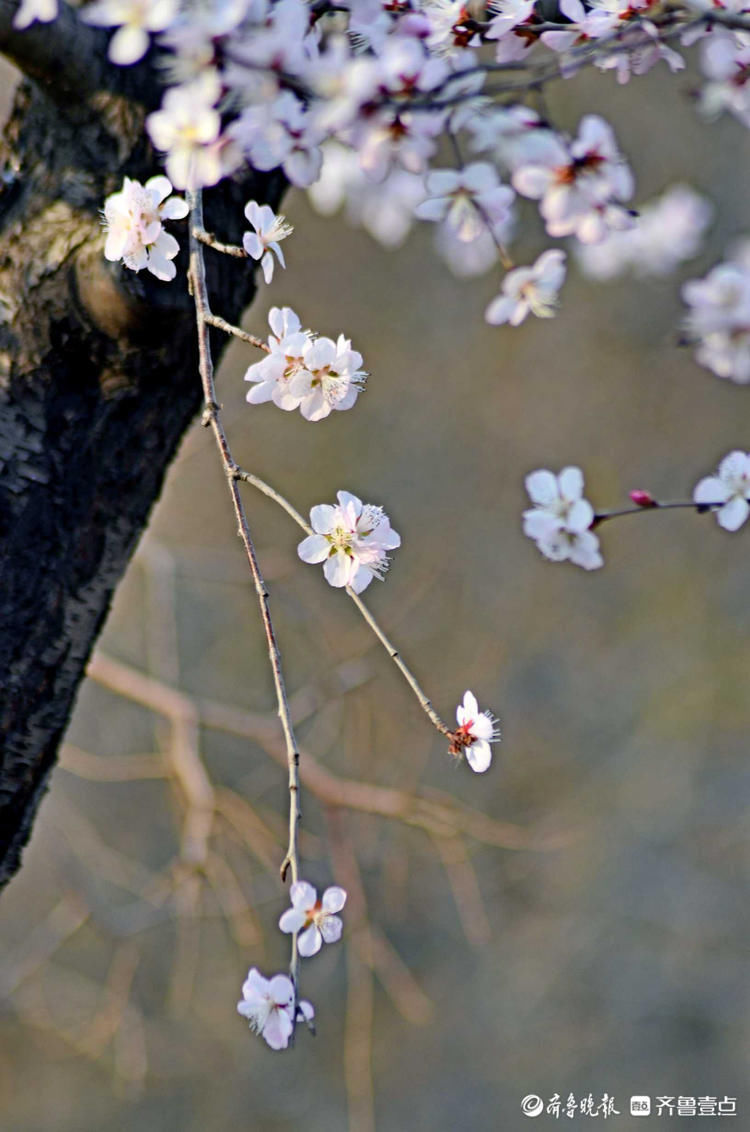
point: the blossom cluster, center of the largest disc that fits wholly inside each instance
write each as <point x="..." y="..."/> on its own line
<point x="728" y="492"/>
<point x="351" y="539"/>
<point x="719" y="316"/>
<point x="301" y="371"/>
<point x="561" y="519"/>
<point x="134" y="219"/>
<point x="669" y="231"/>
<point x="351" y="99"/>
<point x="271" y="1006"/>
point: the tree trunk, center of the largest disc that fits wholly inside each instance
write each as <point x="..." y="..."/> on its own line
<point x="98" y="379"/>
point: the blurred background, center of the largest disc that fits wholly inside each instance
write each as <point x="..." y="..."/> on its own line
<point x="573" y="922"/>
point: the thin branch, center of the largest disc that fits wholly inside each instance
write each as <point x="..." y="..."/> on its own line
<point x="424" y="702"/>
<point x="211" y="242"/>
<point x="197" y="274"/>
<point x="433" y="812"/>
<point x="229" y="328"/>
<point x="654" y="505"/>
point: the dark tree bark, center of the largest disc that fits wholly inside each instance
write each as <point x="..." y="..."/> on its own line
<point x="98" y="379"/>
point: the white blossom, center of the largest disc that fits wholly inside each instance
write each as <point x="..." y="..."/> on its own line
<point x="268" y="1005"/>
<point x="134" y="19"/>
<point x="476" y="730"/>
<point x="725" y="61"/>
<point x="529" y="289"/>
<point x="269" y="230"/>
<point x="667" y="231"/>
<point x="579" y="183"/>
<point x="280" y="133"/>
<point x="133" y="219"/>
<point x="385" y="210"/>
<point x="719" y="316"/>
<point x="187" y="129"/>
<point x="560" y="520"/>
<point x="30" y="11"/>
<point x="730" y="490"/>
<point x="351" y="539"/>
<point x="272" y="375"/>
<point x="329" y="378"/>
<point x="469" y="200"/>
<point x="314" y="919"/>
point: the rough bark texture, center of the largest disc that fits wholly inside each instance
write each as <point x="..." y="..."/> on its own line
<point x="98" y="381"/>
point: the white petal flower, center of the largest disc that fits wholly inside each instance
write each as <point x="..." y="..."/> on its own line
<point x="270" y="229"/>
<point x="470" y="201"/>
<point x="133" y="222"/>
<point x="31" y="10"/>
<point x="134" y="19"/>
<point x="330" y="377"/>
<point x="187" y="129"/>
<point x="529" y="289"/>
<point x="314" y="919"/>
<point x="268" y="1005"/>
<point x="560" y="521"/>
<point x="476" y="730"/>
<point x="351" y="539"/>
<point x="273" y="375"/>
<point x="719" y="317"/>
<point x="729" y="491"/>
<point x="578" y="183"/>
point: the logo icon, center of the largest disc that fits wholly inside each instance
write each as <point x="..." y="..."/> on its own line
<point x="532" y="1105"/>
<point x="640" y="1106"/>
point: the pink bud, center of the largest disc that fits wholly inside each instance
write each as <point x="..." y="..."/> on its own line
<point x="643" y="499"/>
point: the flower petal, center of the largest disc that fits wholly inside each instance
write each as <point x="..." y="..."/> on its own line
<point x="314" y="548"/>
<point x="334" y="899"/>
<point x="292" y="920"/>
<point x="302" y="895"/>
<point x="310" y="942"/>
<point x="479" y="756"/>
<point x="733" y="514"/>
<point x="331" y="929"/>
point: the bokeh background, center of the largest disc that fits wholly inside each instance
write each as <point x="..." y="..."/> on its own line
<point x="589" y="934"/>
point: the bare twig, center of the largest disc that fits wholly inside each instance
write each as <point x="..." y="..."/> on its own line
<point x="654" y="505"/>
<point x="236" y="332"/>
<point x="424" y="702"/>
<point x="432" y="811"/>
<point x="197" y="274"/>
<point x="211" y="242"/>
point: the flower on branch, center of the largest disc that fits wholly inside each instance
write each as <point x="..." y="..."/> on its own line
<point x="187" y="129"/>
<point x="667" y="231"/>
<point x="29" y="11"/>
<point x="272" y="375"/>
<point x="269" y="230"/>
<point x="351" y="540"/>
<point x="315" y="920"/>
<point x="719" y="316"/>
<point x="329" y="379"/>
<point x="133" y="220"/>
<point x="469" y="200"/>
<point x="529" y="289"/>
<point x="729" y="491"/>
<point x="268" y="1005"/>
<point x="476" y="730"/>
<point x="560" y="521"/>
<point x="314" y="375"/>
<point x="579" y="182"/>
<point x="134" y="19"/>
